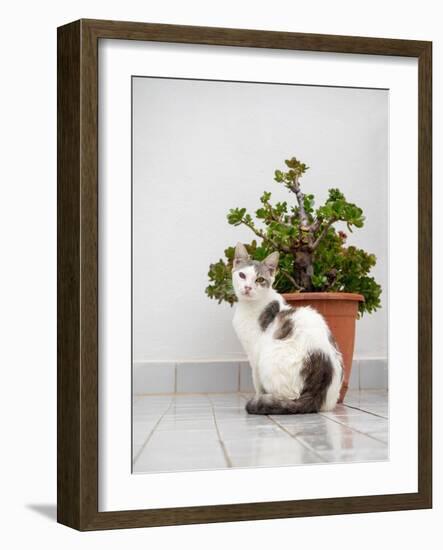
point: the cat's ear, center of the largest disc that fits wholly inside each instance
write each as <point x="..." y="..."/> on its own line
<point x="241" y="255"/>
<point x="271" y="262"/>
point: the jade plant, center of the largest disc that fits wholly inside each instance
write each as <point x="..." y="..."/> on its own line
<point x="314" y="256"/>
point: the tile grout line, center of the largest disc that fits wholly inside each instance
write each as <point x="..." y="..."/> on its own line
<point x="220" y="440"/>
<point x="365" y="411"/>
<point x="306" y="445"/>
<point x="292" y="436"/>
<point x="295" y="438"/>
<point x="345" y="405"/>
<point x="353" y="429"/>
<point x="151" y="433"/>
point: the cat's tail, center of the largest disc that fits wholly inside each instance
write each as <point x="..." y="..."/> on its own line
<point x="271" y="404"/>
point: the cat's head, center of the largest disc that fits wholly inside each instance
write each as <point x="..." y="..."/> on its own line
<point x="251" y="279"/>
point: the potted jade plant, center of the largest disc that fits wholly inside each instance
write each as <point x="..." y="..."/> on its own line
<point x="316" y="266"/>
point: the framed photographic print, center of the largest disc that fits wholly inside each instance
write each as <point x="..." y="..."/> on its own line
<point x="244" y="274"/>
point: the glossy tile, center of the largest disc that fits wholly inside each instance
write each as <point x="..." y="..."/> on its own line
<point x="227" y="400"/>
<point x="339" y="441"/>
<point x="185" y="439"/>
<point x="342" y="410"/>
<point x="181" y="432"/>
<point x="280" y="450"/>
<point x="151" y="405"/>
<point x="191" y="398"/>
<point x="141" y="430"/>
<point x="245" y="431"/>
<point x="356" y="455"/>
<point x="183" y="451"/>
<point x="180" y="410"/>
<point x="365" y="423"/>
<point x="178" y="424"/>
<point x="162" y="460"/>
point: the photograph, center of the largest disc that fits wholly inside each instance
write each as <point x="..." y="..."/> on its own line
<point x="260" y="274"/>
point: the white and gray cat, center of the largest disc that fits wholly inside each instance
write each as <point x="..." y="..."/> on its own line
<point x="295" y="363"/>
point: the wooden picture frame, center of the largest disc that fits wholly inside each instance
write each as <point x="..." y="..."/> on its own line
<point x="77" y="455"/>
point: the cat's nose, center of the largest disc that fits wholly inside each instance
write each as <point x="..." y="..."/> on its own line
<point x="248" y="288"/>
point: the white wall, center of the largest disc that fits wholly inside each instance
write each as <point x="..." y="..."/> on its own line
<point x="28" y="280"/>
<point x="201" y="148"/>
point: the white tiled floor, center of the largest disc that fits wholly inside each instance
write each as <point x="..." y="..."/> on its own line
<point x="180" y="432"/>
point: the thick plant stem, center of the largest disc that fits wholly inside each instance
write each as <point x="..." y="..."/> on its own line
<point x="322" y="234"/>
<point x="265" y="238"/>
<point x="303" y="269"/>
<point x="295" y="187"/>
<point x="292" y="280"/>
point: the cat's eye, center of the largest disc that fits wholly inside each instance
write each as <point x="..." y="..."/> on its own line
<point x="242" y="275"/>
<point x="259" y="280"/>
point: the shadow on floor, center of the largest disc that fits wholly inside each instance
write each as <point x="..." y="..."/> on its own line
<point x="48" y="511"/>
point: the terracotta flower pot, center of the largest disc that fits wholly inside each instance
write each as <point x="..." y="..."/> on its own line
<point x="340" y="310"/>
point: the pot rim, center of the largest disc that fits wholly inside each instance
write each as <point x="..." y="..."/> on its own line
<point x="349" y="296"/>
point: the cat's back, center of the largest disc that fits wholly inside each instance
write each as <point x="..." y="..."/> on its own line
<point x="308" y="318"/>
<point x="302" y="328"/>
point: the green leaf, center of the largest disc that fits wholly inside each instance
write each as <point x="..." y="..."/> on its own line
<point x="235" y="215"/>
<point x="265" y="197"/>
